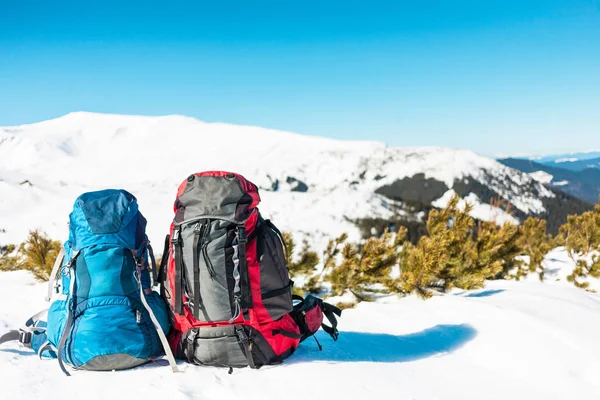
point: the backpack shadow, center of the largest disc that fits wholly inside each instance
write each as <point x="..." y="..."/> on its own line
<point x="385" y="348"/>
<point x="28" y="352"/>
<point x="486" y="293"/>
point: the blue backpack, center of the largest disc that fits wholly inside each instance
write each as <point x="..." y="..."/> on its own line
<point x="106" y="315"/>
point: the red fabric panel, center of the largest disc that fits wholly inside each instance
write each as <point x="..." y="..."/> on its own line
<point x="280" y="343"/>
<point x="314" y="319"/>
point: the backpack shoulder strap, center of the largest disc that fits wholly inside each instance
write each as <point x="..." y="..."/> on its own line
<point x="161" y="334"/>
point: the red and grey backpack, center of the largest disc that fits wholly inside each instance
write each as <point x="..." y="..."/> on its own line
<point x="225" y="278"/>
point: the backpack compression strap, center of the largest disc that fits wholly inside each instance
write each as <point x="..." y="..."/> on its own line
<point x="330" y="312"/>
<point x="164" y="261"/>
<point x="178" y="258"/>
<point x="153" y="265"/>
<point x="57" y="264"/>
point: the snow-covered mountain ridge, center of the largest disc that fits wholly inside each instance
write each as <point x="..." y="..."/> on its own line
<point x="309" y="185"/>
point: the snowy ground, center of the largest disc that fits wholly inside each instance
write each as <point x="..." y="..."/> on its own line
<point x="511" y="340"/>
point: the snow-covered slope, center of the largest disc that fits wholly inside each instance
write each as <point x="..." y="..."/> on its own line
<point x="511" y="340"/>
<point x="309" y="185"/>
<point x="541" y="176"/>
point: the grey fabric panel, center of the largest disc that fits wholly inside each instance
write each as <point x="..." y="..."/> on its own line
<point x="278" y="306"/>
<point x="111" y="362"/>
<point x="218" y="346"/>
<point x="210" y="196"/>
<point x="273" y="274"/>
<point x="214" y="291"/>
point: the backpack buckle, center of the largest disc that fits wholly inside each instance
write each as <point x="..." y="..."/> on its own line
<point x="175" y="237"/>
<point x="241" y="234"/>
<point x="25" y="337"/>
<point x="335" y="334"/>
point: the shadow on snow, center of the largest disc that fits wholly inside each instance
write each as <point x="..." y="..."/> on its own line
<point x="373" y="347"/>
<point x="486" y="293"/>
<point x="381" y="347"/>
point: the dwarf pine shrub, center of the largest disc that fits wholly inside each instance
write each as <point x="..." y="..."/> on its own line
<point x="37" y="255"/>
<point x="581" y="236"/>
<point x="534" y="242"/>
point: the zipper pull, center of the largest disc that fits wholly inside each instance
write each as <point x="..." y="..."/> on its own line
<point x="197" y="228"/>
<point x="238" y="309"/>
<point x="138" y="316"/>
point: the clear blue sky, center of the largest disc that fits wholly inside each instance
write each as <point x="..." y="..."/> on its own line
<point x="494" y="76"/>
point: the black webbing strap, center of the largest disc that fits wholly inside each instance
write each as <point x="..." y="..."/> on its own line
<point x="243" y="265"/>
<point x="153" y="265"/>
<point x="246" y="345"/>
<point x="278" y="292"/>
<point x="291" y="335"/>
<point x="298" y="297"/>
<point x="279" y="234"/>
<point x="330" y="312"/>
<point x="178" y="256"/>
<point x="164" y="261"/>
<point x="196" y="266"/>
<point x="191" y="343"/>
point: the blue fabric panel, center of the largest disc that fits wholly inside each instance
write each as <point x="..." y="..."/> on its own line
<point x="158" y="306"/>
<point x="107" y="217"/>
<point x="111" y="269"/>
<point x="39" y="339"/>
<point x="105" y="210"/>
<point x="57" y="317"/>
<point x="108" y="326"/>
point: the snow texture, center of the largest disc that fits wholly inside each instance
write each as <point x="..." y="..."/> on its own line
<point x="541" y="176"/>
<point x="511" y="340"/>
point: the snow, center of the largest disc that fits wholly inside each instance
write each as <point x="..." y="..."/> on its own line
<point x="541" y="176"/>
<point x="151" y="156"/>
<point x="510" y="340"/>
<point x="481" y="211"/>
<point x="565" y="160"/>
<point x="560" y="183"/>
<point x="558" y="264"/>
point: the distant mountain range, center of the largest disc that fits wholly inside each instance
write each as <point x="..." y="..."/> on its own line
<point x="576" y="174"/>
<point x="574" y="164"/>
<point x="571" y="161"/>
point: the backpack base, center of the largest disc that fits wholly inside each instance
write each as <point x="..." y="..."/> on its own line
<point x="112" y="362"/>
